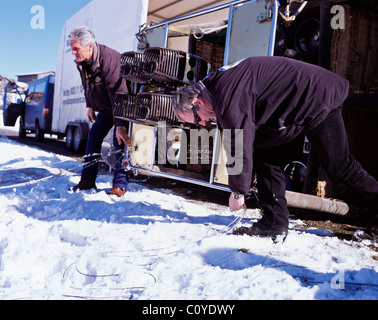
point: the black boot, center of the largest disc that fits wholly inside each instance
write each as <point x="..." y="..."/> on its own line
<point x="370" y="234"/>
<point x="84" y="185"/>
<point x="371" y="231"/>
<point x="259" y="230"/>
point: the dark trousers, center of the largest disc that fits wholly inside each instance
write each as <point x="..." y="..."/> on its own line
<point x="269" y="165"/>
<point x="329" y="143"/>
<point x="97" y="133"/>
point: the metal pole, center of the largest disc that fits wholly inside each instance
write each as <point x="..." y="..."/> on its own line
<point x="195" y="14"/>
<point x="154" y="143"/>
<point x="215" y="153"/>
<point x="273" y="29"/>
<point x="228" y="35"/>
<point x="179" y="178"/>
<point x="166" y="30"/>
<point x="294" y="199"/>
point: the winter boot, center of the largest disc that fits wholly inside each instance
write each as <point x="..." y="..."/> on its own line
<point x="119" y="192"/>
<point x="370" y="234"/>
<point x="371" y="231"/>
<point x="84" y="185"/>
<point x="258" y="230"/>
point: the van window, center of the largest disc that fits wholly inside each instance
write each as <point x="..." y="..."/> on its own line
<point x="36" y="92"/>
<point x="30" y="93"/>
<point x="39" y="92"/>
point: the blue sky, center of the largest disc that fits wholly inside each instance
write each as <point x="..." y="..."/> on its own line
<point x="24" y="49"/>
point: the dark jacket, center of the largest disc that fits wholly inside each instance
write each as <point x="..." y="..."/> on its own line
<point x="101" y="81"/>
<point x="273" y="99"/>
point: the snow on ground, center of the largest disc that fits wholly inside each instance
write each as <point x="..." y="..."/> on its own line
<point x="153" y="244"/>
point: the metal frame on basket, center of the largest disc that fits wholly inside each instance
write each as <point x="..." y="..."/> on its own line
<point x="150" y="170"/>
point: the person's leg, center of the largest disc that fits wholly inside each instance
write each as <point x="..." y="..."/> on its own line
<point x="329" y="141"/>
<point x="97" y="133"/>
<point x="330" y="144"/>
<point x="271" y="186"/>
<point x="121" y="177"/>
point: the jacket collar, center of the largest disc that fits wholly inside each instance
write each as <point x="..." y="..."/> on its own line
<point x="96" y="57"/>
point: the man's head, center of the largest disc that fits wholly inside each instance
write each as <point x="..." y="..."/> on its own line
<point x="191" y="107"/>
<point x="82" y="43"/>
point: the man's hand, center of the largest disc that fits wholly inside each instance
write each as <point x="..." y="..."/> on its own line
<point x="236" y="201"/>
<point x="91" y="115"/>
<point x="122" y="136"/>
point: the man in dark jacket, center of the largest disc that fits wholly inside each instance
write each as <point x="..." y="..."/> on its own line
<point x="99" y="68"/>
<point x="273" y="100"/>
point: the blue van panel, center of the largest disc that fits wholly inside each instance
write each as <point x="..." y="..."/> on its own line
<point x="39" y="104"/>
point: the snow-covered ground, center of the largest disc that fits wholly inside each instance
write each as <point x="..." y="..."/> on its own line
<point x="153" y="244"/>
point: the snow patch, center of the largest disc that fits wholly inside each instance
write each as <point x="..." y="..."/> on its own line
<point x="153" y="244"/>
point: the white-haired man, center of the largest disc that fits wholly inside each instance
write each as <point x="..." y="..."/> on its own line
<point x="99" y="68"/>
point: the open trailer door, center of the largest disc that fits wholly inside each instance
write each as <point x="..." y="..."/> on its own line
<point x="251" y="31"/>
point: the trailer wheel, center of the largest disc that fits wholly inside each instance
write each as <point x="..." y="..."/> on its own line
<point x="69" y="138"/>
<point x="78" y="141"/>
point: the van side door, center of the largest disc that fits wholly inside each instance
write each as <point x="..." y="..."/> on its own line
<point x="34" y="104"/>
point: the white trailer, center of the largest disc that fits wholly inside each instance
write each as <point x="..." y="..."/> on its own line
<point x="114" y="23"/>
